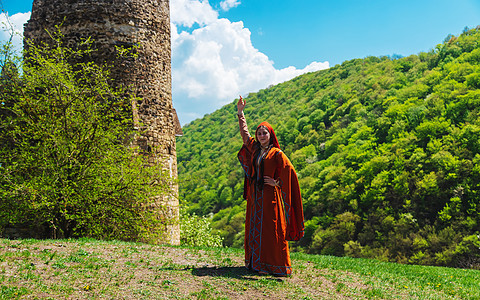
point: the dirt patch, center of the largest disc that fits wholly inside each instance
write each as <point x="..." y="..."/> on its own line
<point x="100" y="270"/>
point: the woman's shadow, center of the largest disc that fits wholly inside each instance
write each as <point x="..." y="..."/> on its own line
<point x="231" y="272"/>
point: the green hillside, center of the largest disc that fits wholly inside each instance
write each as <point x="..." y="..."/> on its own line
<point x="387" y="151"/>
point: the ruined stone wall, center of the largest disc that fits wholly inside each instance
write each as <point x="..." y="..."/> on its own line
<point x="143" y="25"/>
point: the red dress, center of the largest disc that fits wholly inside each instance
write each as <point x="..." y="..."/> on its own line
<point x="274" y="214"/>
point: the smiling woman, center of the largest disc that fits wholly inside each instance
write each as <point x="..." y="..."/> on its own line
<point x="274" y="203"/>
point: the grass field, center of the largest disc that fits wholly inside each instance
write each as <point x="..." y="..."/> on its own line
<point x="91" y="269"/>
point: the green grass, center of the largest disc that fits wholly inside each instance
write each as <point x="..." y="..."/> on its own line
<point x="91" y="269"/>
<point x="424" y="282"/>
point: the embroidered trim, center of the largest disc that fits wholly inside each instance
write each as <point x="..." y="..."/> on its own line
<point x="245" y="166"/>
<point x="270" y="269"/>
<point x="255" y="232"/>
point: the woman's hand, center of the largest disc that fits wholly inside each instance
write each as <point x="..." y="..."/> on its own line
<point x="240" y="105"/>
<point x="269" y="181"/>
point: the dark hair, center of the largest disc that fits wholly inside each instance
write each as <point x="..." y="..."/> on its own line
<point x="258" y="175"/>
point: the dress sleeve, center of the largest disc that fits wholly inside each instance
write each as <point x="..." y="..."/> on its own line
<point x="242" y="124"/>
<point x="292" y="198"/>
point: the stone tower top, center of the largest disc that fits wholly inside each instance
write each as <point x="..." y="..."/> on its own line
<point x="140" y="25"/>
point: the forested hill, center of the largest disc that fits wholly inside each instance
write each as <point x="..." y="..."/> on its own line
<point x="387" y="152"/>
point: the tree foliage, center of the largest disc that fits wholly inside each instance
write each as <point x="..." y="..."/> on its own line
<point x="66" y="160"/>
<point x="387" y="151"/>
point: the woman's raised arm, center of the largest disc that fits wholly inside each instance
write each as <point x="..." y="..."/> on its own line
<point x="242" y="122"/>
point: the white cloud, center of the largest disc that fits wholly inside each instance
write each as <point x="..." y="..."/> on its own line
<point x="215" y="63"/>
<point x="291" y="72"/>
<point x="218" y="61"/>
<point x="227" y="4"/>
<point x="12" y="26"/>
<point x="188" y="12"/>
<point x="212" y="64"/>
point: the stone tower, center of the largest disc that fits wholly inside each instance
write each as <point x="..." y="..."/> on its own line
<point x="144" y="27"/>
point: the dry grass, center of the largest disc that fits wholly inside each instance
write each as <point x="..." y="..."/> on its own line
<point x="90" y="269"/>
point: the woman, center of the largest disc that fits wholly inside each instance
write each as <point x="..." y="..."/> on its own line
<point x="274" y="203"/>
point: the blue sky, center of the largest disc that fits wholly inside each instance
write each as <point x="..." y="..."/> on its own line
<point x="223" y="48"/>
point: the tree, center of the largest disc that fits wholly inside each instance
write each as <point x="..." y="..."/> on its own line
<point x="66" y="160"/>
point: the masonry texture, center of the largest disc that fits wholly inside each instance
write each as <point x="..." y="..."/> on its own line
<point x="142" y="26"/>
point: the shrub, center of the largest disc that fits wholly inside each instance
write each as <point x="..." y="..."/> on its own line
<point x="66" y="160"/>
<point x="197" y="231"/>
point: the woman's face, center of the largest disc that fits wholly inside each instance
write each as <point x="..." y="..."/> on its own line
<point x="263" y="136"/>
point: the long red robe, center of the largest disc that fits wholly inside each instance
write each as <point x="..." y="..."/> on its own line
<point x="274" y="214"/>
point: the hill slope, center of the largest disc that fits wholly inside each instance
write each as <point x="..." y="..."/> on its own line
<point x="387" y="151"/>
<point x="90" y="269"/>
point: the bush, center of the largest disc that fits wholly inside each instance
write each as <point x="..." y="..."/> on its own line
<point x="197" y="231"/>
<point x="66" y="160"/>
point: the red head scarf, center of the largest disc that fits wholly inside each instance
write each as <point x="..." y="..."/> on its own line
<point x="273" y="137"/>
